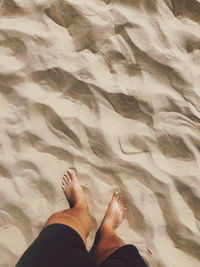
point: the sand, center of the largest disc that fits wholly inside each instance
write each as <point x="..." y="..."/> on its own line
<point x="110" y="88"/>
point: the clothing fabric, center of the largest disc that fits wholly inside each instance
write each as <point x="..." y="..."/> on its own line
<point x="59" y="245"/>
<point x="126" y="256"/>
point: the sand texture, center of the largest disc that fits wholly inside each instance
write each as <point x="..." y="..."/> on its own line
<point x="110" y="88"/>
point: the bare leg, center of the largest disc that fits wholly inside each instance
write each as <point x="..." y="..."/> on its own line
<point x="77" y="217"/>
<point x="109" y="241"/>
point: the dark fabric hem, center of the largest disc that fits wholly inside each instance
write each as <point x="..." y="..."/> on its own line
<point x="125" y="256"/>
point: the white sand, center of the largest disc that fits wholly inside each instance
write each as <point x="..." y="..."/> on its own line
<point x="110" y="88"/>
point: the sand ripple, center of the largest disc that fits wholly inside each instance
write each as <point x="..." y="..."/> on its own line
<point x="111" y="88"/>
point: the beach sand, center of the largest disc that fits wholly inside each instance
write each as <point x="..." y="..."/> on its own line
<point x="110" y="88"/>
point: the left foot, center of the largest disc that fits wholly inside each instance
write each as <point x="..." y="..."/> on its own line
<point x="115" y="213"/>
<point x="72" y="190"/>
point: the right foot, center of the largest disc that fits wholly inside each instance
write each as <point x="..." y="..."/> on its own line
<point x="72" y="189"/>
<point x="115" y="213"/>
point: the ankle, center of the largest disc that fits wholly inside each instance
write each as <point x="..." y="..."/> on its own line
<point x="106" y="229"/>
<point x="81" y="205"/>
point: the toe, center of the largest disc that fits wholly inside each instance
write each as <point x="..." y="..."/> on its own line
<point x="63" y="187"/>
<point x="66" y="174"/>
<point x="121" y="198"/>
<point x="122" y="207"/>
<point x="63" y="182"/>
<point x="67" y="178"/>
<point x="124" y="210"/>
<point x="71" y="172"/>
<point x="116" y="194"/>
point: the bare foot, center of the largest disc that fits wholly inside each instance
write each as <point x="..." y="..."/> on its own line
<point x="72" y="189"/>
<point x="115" y="213"/>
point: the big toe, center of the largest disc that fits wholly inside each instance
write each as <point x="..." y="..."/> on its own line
<point x="72" y="173"/>
<point x="115" y="195"/>
<point x="122" y="205"/>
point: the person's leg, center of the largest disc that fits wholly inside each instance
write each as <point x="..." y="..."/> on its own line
<point x="77" y="217"/>
<point x="62" y="241"/>
<point x="109" y="241"/>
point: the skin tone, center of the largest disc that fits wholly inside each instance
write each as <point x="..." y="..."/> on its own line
<point x="78" y="218"/>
